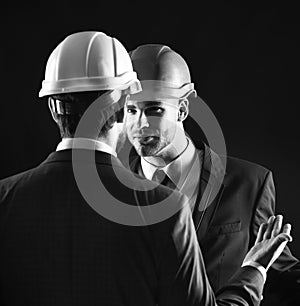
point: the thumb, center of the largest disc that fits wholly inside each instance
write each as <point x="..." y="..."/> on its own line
<point x="283" y="237"/>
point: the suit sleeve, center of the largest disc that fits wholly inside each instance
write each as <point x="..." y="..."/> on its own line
<point x="183" y="279"/>
<point x="283" y="279"/>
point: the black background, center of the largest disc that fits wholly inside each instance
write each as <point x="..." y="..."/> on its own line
<point x="244" y="61"/>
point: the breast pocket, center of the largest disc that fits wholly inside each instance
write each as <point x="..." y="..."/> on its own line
<point x="223" y="229"/>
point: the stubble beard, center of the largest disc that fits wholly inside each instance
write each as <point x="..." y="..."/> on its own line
<point x="149" y="150"/>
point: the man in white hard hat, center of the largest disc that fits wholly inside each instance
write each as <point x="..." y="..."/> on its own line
<point x="228" y="204"/>
<point x="67" y="239"/>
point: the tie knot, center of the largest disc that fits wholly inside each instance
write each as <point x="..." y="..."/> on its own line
<point x="159" y="175"/>
<point x="162" y="178"/>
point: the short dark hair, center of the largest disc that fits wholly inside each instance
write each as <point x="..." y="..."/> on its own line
<point x="72" y="107"/>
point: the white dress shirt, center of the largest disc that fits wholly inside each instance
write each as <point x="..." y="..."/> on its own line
<point x="184" y="171"/>
<point x="85" y="143"/>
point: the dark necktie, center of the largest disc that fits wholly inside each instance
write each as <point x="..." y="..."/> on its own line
<point x="162" y="178"/>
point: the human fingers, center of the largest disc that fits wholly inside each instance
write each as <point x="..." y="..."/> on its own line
<point x="261" y="232"/>
<point x="282" y="239"/>
<point x="277" y="225"/>
<point x="268" y="231"/>
<point x="287" y="230"/>
<point x="278" y="244"/>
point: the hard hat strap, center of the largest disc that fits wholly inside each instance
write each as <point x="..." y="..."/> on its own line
<point x="78" y="108"/>
<point x="67" y="108"/>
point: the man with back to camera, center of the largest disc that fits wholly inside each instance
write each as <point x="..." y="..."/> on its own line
<point x="56" y="250"/>
<point x="227" y="224"/>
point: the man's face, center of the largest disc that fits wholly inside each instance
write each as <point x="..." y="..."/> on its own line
<point x="150" y="125"/>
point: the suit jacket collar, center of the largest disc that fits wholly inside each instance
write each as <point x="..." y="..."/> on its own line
<point x="212" y="163"/>
<point x="210" y="191"/>
<point x="83" y="155"/>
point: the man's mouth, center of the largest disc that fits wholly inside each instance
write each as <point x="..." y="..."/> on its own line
<point x="145" y="140"/>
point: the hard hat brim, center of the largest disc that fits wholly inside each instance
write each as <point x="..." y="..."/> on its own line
<point x="127" y="82"/>
<point x="160" y="90"/>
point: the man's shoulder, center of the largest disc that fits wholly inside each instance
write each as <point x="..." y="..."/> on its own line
<point x="43" y="174"/>
<point x="160" y="206"/>
<point x="14" y="178"/>
<point x="242" y="165"/>
<point x="240" y="168"/>
<point x="12" y="182"/>
<point x="246" y="172"/>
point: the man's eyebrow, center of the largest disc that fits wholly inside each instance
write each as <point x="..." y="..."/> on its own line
<point x="147" y="104"/>
<point x="154" y="103"/>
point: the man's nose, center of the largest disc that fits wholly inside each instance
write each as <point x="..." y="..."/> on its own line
<point x="143" y="120"/>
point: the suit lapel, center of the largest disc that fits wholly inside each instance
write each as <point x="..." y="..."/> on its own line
<point x="210" y="191"/>
<point x="135" y="165"/>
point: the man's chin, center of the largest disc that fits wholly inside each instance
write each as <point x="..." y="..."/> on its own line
<point x="145" y="151"/>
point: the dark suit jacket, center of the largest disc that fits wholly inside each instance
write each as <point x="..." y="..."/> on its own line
<point x="56" y="250"/>
<point x="227" y="229"/>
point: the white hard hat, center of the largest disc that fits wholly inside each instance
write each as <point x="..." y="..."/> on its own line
<point x="89" y="61"/>
<point x="162" y="71"/>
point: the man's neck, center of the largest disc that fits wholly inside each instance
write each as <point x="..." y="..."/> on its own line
<point x="108" y="142"/>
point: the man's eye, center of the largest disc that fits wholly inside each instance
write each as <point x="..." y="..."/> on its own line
<point x="155" y="110"/>
<point x="131" y="111"/>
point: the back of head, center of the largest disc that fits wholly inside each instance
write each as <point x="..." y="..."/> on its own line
<point x="81" y="68"/>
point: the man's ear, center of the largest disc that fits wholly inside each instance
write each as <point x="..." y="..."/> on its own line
<point x="183" y="110"/>
<point x="52" y="109"/>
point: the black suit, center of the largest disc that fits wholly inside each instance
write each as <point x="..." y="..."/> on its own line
<point x="56" y="250"/>
<point x="227" y="229"/>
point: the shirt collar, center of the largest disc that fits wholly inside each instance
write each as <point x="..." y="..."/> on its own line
<point x="183" y="163"/>
<point x="85" y="143"/>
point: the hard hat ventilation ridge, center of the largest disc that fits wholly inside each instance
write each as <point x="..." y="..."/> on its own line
<point x="115" y="56"/>
<point x="88" y="51"/>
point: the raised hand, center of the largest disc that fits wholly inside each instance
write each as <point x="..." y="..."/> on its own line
<point x="271" y="239"/>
